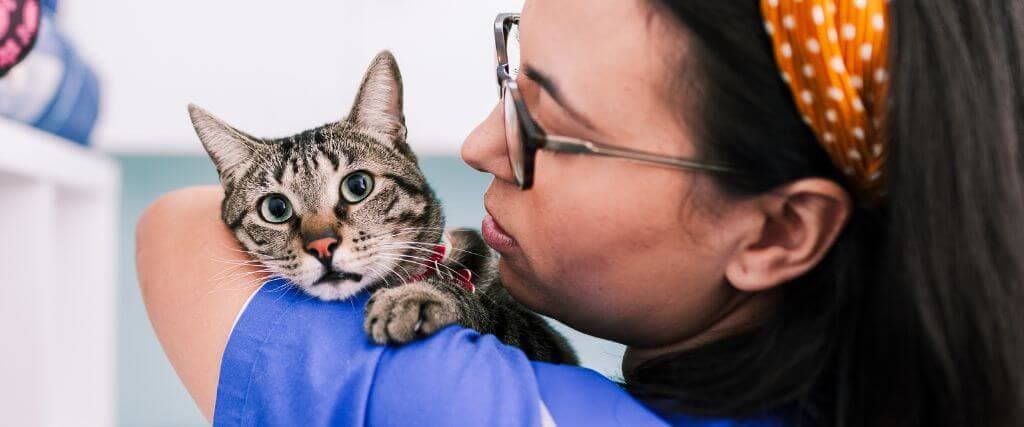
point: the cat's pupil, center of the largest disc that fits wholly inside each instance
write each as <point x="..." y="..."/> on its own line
<point x="357" y="185"/>
<point x="277" y="207"/>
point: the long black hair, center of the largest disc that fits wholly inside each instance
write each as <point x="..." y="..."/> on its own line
<point x="916" y="315"/>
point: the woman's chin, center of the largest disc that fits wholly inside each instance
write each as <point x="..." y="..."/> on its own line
<point x="530" y="293"/>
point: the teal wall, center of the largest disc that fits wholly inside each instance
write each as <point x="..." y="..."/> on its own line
<point x="148" y="391"/>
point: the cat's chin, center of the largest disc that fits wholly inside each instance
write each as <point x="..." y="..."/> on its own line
<point x="334" y="290"/>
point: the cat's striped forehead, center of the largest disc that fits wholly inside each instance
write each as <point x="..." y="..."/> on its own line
<point x="309" y="168"/>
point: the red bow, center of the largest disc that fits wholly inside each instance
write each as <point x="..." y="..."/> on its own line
<point x="463" y="276"/>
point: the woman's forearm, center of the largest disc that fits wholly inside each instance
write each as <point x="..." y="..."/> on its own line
<point x="193" y="283"/>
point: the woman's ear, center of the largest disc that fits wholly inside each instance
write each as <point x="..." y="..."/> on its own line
<point x="799" y="222"/>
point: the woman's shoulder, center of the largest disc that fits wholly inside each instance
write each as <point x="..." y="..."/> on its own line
<point x="292" y="359"/>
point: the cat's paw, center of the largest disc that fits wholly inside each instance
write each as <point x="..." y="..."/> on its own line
<point x="402" y="314"/>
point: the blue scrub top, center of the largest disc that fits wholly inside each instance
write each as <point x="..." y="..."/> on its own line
<point x="296" y="360"/>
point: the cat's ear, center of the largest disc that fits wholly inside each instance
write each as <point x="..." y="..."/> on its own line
<point x="378" y="104"/>
<point x="228" y="147"/>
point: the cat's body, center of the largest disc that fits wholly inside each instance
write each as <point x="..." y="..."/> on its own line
<point x="345" y="208"/>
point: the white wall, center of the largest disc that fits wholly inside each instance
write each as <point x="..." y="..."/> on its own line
<point x="274" y="68"/>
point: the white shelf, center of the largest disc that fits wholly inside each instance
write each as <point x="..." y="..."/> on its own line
<point x="58" y="217"/>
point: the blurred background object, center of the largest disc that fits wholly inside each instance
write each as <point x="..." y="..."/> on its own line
<point x="270" y="68"/>
<point x="58" y="227"/>
<point x="52" y="88"/>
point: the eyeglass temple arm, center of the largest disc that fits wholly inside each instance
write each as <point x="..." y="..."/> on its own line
<point x="579" y="146"/>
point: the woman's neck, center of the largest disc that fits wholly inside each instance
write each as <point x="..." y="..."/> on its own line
<point x="744" y="312"/>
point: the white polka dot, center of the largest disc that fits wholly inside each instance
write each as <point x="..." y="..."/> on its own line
<point x="788" y="21"/>
<point x="807" y="96"/>
<point x="857" y="82"/>
<point x="837" y="64"/>
<point x="858" y="133"/>
<point x="878" y="22"/>
<point x="875" y="175"/>
<point x="881" y="75"/>
<point x="877" y="150"/>
<point x="813" y="46"/>
<point x="860" y="4"/>
<point x="807" y="120"/>
<point x="769" y="28"/>
<point x="831" y="115"/>
<point x="835" y="93"/>
<point x="785" y="77"/>
<point x="808" y="70"/>
<point x="857" y="105"/>
<point x="773" y="3"/>
<point x="849" y="31"/>
<point x="828" y="137"/>
<point x="786" y="50"/>
<point x="865" y="51"/>
<point x="853" y="154"/>
<point x="833" y="35"/>
<point x="818" y="15"/>
<point x="848" y="171"/>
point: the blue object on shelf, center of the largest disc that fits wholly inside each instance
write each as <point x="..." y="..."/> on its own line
<point x="52" y="88"/>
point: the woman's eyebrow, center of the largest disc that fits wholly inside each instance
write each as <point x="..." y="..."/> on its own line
<point x="549" y="86"/>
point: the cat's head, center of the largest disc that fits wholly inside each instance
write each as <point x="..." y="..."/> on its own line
<point x="333" y="209"/>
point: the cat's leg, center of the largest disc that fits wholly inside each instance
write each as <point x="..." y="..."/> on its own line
<point x="402" y="314"/>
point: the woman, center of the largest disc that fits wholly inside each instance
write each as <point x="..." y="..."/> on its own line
<point x="840" y="243"/>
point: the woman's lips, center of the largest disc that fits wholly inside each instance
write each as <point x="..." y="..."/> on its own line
<point x="495" y="236"/>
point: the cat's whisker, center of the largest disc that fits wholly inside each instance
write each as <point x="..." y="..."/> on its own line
<point x="235" y="263"/>
<point x="246" y="286"/>
<point x="410" y="229"/>
<point x="392" y="270"/>
<point x="244" y="251"/>
<point x="239" y="275"/>
<point x="427" y="262"/>
<point x="383" y="277"/>
<point x="430" y="246"/>
<point x="395" y="233"/>
<point x="235" y="267"/>
<point x="430" y="260"/>
<point x="424" y="250"/>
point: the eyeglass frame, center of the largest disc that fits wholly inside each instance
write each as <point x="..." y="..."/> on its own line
<point x="533" y="138"/>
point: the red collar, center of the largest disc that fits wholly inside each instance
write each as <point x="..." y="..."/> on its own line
<point x="463" y="276"/>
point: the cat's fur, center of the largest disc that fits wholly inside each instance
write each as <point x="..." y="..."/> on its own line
<point x="384" y="240"/>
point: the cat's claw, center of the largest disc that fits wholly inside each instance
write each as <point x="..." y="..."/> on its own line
<point x="403" y="314"/>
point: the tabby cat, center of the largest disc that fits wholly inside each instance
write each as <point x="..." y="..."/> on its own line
<point x="344" y="208"/>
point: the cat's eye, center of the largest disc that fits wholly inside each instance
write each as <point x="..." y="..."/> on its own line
<point x="356" y="186"/>
<point x="276" y="209"/>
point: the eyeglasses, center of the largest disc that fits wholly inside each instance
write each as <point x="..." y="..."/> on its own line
<point x="524" y="137"/>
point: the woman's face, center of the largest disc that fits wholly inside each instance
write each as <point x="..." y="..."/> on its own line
<point x="623" y="250"/>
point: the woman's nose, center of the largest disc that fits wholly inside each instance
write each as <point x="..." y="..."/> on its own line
<point x="486" y="150"/>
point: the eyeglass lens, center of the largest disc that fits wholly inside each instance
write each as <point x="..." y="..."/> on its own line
<point x="513" y="135"/>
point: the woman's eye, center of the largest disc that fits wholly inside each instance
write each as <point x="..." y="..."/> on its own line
<point x="275" y="209"/>
<point x="355" y="187"/>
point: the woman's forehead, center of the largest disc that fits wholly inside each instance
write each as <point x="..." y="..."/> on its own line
<point x="614" y="59"/>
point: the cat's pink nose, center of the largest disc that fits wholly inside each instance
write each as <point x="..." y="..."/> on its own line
<point x="322" y="248"/>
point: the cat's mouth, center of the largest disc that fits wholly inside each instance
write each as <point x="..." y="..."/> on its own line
<point x="338" y="276"/>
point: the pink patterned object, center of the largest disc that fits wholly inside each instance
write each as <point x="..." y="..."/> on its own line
<point x="19" y="25"/>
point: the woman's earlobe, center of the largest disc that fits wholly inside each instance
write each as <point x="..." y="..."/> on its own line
<point x="801" y="222"/>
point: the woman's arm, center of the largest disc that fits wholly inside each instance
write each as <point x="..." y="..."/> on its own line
<point x="298" y="360"/>
<point x="192" y="285"/>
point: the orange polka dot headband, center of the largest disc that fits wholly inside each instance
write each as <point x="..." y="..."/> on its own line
<point x="833" y="55"/>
